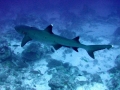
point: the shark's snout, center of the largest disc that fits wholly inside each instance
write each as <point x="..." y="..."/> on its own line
<point x="19" y="29"/>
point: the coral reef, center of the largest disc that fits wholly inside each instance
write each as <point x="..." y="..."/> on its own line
<point x="5" y="53"/>
<point x="54" y="63"/>
<point x="114" y="83"/>
<point x="64" y="78"/>
<point x="67" y="77"/>
<point x="33" y="52"/>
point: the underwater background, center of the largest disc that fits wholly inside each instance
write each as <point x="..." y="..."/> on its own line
<point x="37" y="67"/>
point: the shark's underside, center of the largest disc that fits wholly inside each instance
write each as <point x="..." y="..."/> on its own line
<point x="47" y="36"/>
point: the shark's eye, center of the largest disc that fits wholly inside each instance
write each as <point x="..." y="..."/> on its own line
<point x="23" y="32"/>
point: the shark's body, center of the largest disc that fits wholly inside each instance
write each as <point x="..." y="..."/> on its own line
<point x="47" y="36"/>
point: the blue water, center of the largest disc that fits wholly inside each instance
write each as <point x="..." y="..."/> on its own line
<point x="38" y="67"/>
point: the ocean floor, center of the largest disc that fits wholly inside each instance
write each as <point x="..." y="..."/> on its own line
<point x="63" y="69"/>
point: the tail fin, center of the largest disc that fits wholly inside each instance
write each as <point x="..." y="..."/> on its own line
<point x="92" y="48"/>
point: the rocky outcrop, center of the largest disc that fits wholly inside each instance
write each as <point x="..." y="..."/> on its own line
<point x="5" y="53"/>
<point x="34" y="52"/>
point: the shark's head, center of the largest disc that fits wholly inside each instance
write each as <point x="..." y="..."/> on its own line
<point x="22" y="29"/>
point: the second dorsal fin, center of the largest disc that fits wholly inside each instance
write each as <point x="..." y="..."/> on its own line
<point x="49" y="29"/>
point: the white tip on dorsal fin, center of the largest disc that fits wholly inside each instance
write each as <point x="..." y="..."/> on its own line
<point x="51" y="24"/>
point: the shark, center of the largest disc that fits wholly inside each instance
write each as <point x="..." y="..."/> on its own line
<point x="47" y="36"/>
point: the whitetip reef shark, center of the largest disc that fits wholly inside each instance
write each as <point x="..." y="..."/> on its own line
<point x="47" y="36"/>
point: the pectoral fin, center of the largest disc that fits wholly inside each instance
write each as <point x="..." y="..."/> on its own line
<point x="57" y="46"/>
<point x="75" y="48"/>
<point x="25" y="40"/>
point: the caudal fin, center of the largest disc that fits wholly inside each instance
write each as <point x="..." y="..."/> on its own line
<point x="92" y="48"/>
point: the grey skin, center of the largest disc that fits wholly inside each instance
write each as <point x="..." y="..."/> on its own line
<point x="48" y="37"/>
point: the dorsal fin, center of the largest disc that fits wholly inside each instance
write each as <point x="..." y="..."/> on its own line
<point x="76" y="39"/>
<point x="49" y="29"/>
<point x="25" y="40"/>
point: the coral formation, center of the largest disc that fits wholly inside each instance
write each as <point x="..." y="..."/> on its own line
<point x="4" y="52"/>
<point x="33" y="52"/>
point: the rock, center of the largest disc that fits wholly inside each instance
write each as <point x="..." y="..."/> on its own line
<point x="74" y="71"/>
<point x="64" y="78"/>
<point x="54" y="63"/>
<point x="117" y="61"/>
<point x="56" y="84"/>
<point x="66" y="65"/>
<point x="96" y="78"/>
<point x="113" y="70"/>
<point x="3" y="77"/>
<point x="70" y="77"/>
<point x="24" y="88"/>
<point x="33" y="52"/>
<point x="18" y="82"/>
<point x="59" y="81"/>
<point x="81" y="78"/>
<point x="114" y="83"/>
<point x="5" y="53"/>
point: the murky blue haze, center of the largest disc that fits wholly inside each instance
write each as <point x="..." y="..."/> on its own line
<point x="38" y="66"/>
